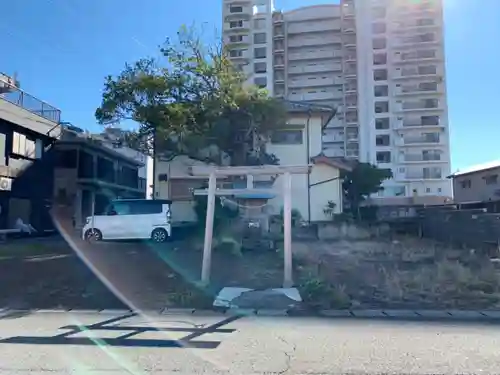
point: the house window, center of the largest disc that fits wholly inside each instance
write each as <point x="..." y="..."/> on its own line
<point x="260" y="53"/>
<point x="378" y="28"/>
<point x="260" y="82"/>
<point x="287" y="137"/>
<point x="383" y="157"/>
<point x="259" y="38"/>
<point x="235" y="9"/>
<point x="379" y="43"/>
<point x="382" y="123"/>
<point x="466" y="184"/>
<point x="380" y="58"/>
<point x="380" y="75"/>
<point x="260" y="67"/>
<point x="381" y="107"/>
<point x="379" y="12"/>
<point x="259" y="24"/>
<point x="382" y="140"/>
<point x="236" y="38"/>
<point x="23" y="146"/>
<point x="491" y="179"/>
<point x="381" y="90"/>
<point x="235" y="24"/>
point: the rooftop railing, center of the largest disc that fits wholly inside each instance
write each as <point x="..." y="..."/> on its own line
<point x="28" y="102"/>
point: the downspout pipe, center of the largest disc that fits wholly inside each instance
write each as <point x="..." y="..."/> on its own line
<point x="308" y="156"/>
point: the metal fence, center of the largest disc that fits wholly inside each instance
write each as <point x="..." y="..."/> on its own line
<point x="24" y="100"/>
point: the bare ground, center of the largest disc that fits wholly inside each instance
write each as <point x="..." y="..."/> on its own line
<point x="403" y="273"/>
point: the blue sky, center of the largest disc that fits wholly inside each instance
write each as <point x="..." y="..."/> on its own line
<point x="62" y="49"/>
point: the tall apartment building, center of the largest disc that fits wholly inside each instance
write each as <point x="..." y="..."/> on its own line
<point x="379" y="62"/>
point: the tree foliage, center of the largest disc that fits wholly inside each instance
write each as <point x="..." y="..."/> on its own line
<point x="193" y="102"/>
<point x="363" y="180"/>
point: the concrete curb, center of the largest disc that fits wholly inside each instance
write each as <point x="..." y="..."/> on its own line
<point x="385" y="314"/>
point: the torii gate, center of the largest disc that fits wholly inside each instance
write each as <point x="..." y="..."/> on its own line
<point x="212" y="172"/>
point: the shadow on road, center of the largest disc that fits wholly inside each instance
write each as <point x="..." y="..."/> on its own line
<point x="126" y="340"/>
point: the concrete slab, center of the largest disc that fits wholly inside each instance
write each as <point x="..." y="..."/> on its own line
<point x="433" y="314"/>
<point x="368" y="313"/>
<point x="336" y="313"/>
<point x="271" y="312"/>
<point x="402" y="314"/>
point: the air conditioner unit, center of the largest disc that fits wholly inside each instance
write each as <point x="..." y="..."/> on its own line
<point x="5" y="183"/>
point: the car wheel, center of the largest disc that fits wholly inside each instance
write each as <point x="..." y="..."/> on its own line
<point x="159" y="235"/>
<point x="93" y="235"/>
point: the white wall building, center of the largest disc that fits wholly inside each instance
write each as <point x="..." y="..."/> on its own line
<point x="298" y="143"/>
<point x="379" y="62"/>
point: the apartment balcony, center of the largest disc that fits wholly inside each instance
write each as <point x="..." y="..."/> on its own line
<point x="21" y="108"/>
<point x="318" y="41"/>
<point x="435" y="139"/>
<point x="350" y="89"/>
<point x="238" y="27"/>
<point x="333" y="152"/>
<point x="350" y="58"/>
<point x="417" y="57"/>
<point x="237" y="40"/>
<point x="243" y="56"/>
<point x="278" y="18"/>
<point x="318" y="82"/>
<point x="418" y="175"/>
<point x="245" y="14"/>
<point x="418" y="40"/>
<point x="352" y="137"/>
<point x="313" y="96"/>
<point x="348" y="12"/>
<point x="423" y="71"/>
<point x="411" y="124"/>
<point x="312" y="55"/>
<point x="317" y="27"/>
<point x="423" y="105"/>
<point x="422" y="158"/>
<point x="279" y="64"/>
<point x="316" y="68"/>
<point x="334" y="138"/>
<point x="418" y="88"/>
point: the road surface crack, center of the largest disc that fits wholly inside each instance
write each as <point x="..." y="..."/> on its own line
<point x="288" y="354"/>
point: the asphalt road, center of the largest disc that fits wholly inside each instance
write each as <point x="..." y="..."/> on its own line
<point x="113" y="343"/>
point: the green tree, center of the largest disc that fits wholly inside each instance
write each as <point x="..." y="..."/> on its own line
<point x="363" y="180"/>
<point x="192" y="101"/>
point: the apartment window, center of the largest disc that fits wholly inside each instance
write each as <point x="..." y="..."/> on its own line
<point x="379" y="58"/>
<point x="260" y="53"/>
<point x="379" y="12"/>
<point x="428" y="86"/>
<point x="429" y="120"/>
<point x="425" y="22"/>
<point x="466" y="184"/>
<point x="260" y="82"/>
<point x="383" y="156"/>
<point x="382" y="123"/>
<point x="427" y="69"/>
<point x="427" y="37"/>
<point x="379" y="28"/>
<point x="491" y="179"/>
<point x="382" y="140"/>
<point x="432" y="172"/>
<point x="432" y="155"/>
<point x="431" y="103"/>
<point x="236" y="38"/>
<point x="430" y="137"/>
<point x="426" y="54"/>
<point x="381" y="107"/>
<point x="287" y="137"/>
<point x="380" y="75"/>
<point x="236" y="53"/>
<point x="235" y="24"/>
<point x="259" y="38"/>
<point x="235" y="9"/>
<point x="259" y="24"/>
<point x="381" y="90"/>
<point x="260" y="67"/>
<point x="379" y="43"/>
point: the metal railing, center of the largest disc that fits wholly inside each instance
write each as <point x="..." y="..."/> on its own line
<point x="28" y="102"/>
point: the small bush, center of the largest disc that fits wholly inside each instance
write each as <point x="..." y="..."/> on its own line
<point x="319" y="294"/>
